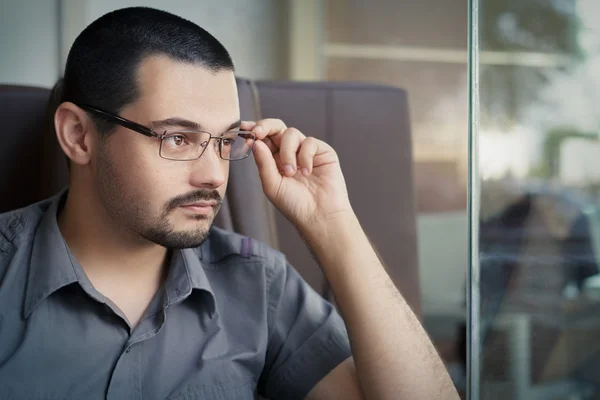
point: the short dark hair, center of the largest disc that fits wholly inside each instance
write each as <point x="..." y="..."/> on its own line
<point x="102" y="63"/>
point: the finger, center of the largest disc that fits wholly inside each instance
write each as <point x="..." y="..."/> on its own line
<point x="271" y="127"/>
<point x="274" y="149"/>
<point x="306" y="155"/>
<point x="279" y="163"/>
<point x="288" y="149"/>
<point x="267" y="168"/>
<point x="247" y="125"/>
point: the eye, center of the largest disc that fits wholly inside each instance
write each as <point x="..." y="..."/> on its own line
<point x="175" y="140"/>
<point x="227" y="142"/>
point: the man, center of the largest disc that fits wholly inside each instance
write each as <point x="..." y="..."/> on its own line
<point x="119" y="288"/>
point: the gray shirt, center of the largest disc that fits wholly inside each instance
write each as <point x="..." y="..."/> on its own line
<point x="233" y="320"/>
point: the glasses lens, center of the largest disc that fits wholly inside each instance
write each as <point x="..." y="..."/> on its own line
<point x="237" y="145"/>
<point x="184" y="145"/>
<point x="191" y="145"/>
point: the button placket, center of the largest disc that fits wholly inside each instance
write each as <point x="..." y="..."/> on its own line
<point x="124" y="383"/>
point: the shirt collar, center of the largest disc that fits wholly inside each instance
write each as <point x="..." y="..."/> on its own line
<point x="53" y="266"/>
<point x="186" y="274"/>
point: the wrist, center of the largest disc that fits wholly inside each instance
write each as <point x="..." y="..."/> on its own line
<point x="332" y="232"/>
<point x="320" y="225"/>
<point x="343" y="250"/>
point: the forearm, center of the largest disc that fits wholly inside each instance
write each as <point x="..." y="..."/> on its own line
<point x="394" y="357"/>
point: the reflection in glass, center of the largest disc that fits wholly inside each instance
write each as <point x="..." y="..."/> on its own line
<point x="539" y="230"/>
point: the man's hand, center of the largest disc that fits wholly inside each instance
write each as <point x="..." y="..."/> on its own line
<point x="300" y="175"/>
<point x="393" y="357"/>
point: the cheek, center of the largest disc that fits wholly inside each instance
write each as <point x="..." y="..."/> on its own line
<point x="140" y="175"/>
<point x="161" y="182"/>
<point x="226" y="169"/>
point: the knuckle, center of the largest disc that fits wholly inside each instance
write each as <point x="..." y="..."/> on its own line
<point x="274" y="122"/>
<point x="290" y="140"/>
<point x="295" y="133"/>
<point x="312" y="143"/>
<point x="291" y="131"/>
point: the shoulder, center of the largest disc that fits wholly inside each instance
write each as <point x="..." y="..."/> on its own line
<point x="231" y="260"/>
<point x="17" y="231"/>
<point x="17" y="227"/>
<point x="221" y="246"/>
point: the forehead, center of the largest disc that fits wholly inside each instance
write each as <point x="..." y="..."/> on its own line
<point x="170" y="88"/>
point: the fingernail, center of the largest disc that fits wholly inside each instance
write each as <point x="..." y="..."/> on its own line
<point x="258" y="129"/>
<point x="289" y="170"/>
<point x="305" y="171"/>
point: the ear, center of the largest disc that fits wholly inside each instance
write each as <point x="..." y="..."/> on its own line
<point x="74" y="131"/>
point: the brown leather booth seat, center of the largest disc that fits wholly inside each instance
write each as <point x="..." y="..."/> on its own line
<point x="367" y="125"/>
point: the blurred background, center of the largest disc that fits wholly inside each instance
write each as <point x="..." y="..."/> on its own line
<point x="539" y="229"/>
<point x="538" y="187"/>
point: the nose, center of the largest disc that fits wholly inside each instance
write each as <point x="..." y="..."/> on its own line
<point x="210" y="170"/>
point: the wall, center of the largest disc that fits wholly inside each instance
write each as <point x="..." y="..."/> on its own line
<point x="35" y="36"/>
<point x="254" y="32"/>
<point x="29" y="42"/>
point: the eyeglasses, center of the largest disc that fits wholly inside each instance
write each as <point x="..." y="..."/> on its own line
<point x="187" y="145"/>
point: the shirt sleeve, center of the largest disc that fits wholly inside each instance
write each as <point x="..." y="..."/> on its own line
<point x="307" y="337"/>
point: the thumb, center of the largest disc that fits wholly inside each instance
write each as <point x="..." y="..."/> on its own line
<point x="267" y="168"/>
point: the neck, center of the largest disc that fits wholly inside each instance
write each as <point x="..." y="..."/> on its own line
<point x="106" y="250"/>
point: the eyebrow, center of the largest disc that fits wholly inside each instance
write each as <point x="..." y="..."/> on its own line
<point x="187" y="124"/>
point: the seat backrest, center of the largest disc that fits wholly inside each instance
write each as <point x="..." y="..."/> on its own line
<point x="23" y="112"/>
<point x="368" y="125"/>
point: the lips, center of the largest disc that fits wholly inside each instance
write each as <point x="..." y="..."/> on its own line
<point x="209" y="203"/>
<point x="200" y="207"/>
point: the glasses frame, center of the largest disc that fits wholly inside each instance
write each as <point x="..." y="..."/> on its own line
<point x="144" y="130"/>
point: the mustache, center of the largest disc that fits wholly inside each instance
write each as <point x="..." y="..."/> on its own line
<point x="193" y="197"/>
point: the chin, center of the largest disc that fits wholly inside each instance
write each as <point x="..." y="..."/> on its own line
<point x="179" y="239"/>
<point x="184" y="240"/>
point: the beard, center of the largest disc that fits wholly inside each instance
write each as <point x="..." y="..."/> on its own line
<point x="130" y="210"/>
<point x="163" y="233"/>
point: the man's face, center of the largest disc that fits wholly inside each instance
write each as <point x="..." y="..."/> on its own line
<point x="171" y="203"/>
